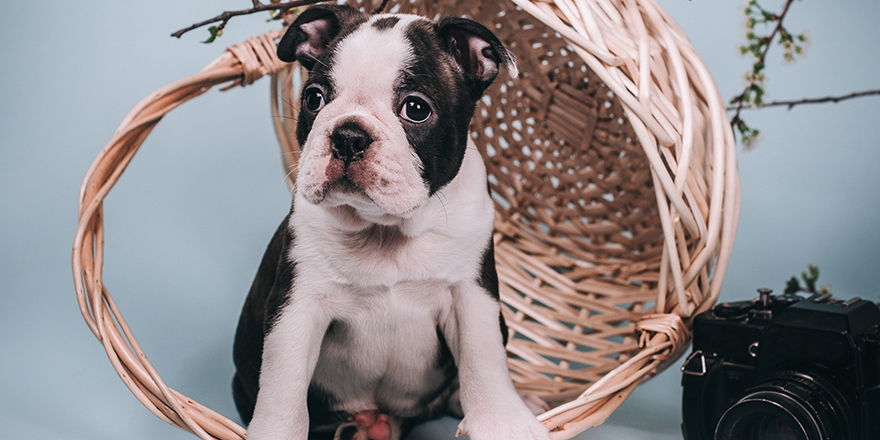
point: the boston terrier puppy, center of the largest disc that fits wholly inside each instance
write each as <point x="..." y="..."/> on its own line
<point x="376" y="304"/>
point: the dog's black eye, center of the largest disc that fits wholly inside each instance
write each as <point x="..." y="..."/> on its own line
<point x="313" y="99"/>
<point x="415" y="110"/>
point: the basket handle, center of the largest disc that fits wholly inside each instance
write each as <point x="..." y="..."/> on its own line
<point x="240" y="65"/>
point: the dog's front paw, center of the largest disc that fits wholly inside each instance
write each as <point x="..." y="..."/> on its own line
<point x="525" y="427"/>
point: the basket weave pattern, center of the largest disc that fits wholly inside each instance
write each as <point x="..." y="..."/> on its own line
<point x="613" y="170"/>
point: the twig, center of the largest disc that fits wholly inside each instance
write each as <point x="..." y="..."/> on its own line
<point x="258" y="7"/>
<point x="792" y="103"/>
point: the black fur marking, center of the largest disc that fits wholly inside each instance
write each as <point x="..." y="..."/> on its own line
<point x="439" y="143"/>
<point x="337" y="20"/>
<point x="306" y="117"/>
<point x="456" y="32"/>
<point x="385" y="23"/>
<point x="489" y="281"/>
<point x="444" y="362"/>
<point x="444" y="354"/>
<point x="348" y="433"/>
<point x="269" y="292"/>
<point x="488" y="275"/>
<point x="320" y="402"/>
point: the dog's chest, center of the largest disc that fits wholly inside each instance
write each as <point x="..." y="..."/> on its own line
<point x="386" y="351"/>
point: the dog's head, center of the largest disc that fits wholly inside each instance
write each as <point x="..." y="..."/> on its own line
<point x="384" y="113"/>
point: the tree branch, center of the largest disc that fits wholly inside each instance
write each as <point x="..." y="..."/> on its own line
<point x="258" y="7"/>
<point x="792" y="103"/>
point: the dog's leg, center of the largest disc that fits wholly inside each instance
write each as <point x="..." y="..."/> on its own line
<point x="290" y="354"/>
<point x="492" y="408"/>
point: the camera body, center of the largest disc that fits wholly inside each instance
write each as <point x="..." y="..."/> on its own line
<point x="784" y="367"/>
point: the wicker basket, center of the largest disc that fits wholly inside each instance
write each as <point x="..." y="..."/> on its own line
<point x="613" y="167"/>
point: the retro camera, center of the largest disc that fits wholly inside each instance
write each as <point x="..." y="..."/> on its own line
<point x="784" y="367"/>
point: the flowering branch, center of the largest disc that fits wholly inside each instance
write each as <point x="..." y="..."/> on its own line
<point x="276" y="7"/>
<point x="759" y="46"/>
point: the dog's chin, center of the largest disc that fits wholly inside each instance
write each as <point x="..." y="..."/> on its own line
<point x="368" y="191"/>
<point x="354" y="208"/>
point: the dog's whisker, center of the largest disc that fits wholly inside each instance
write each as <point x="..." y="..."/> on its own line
<point x="287" y="102"/>
<point x="317" y="61"/>
<point x="440" y="197"/>
<point x="288" y="118"/>
<point x="292" y="172"/>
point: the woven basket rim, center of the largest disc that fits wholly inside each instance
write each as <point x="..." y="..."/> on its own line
<point x="612" y="37"/>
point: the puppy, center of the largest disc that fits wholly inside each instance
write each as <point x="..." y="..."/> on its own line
<point x="376" y="304"/>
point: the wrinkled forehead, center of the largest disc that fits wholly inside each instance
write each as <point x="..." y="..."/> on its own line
<point x="378" y="51"/>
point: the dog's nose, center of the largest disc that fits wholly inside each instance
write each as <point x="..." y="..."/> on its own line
<point x="349" y="142"/>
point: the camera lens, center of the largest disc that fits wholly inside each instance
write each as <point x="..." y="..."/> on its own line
<point x="772" y="427"/>
<point x="762" y="420"/>
<point x="789" y="406"/>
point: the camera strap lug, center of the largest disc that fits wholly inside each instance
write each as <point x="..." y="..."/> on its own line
<point x="695" y="365"/>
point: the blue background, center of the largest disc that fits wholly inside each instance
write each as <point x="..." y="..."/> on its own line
<point x="188" y="222"/>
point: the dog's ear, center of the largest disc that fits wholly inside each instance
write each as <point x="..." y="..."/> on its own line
<point x="309" y="35"/>
<point x="476" y="51"/>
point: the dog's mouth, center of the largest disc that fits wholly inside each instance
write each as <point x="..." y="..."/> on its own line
<point x="346" y="188"/>
<point x="350" y="202"/>
<point x="342" y="178"/>
<point x="347" y="192"/>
